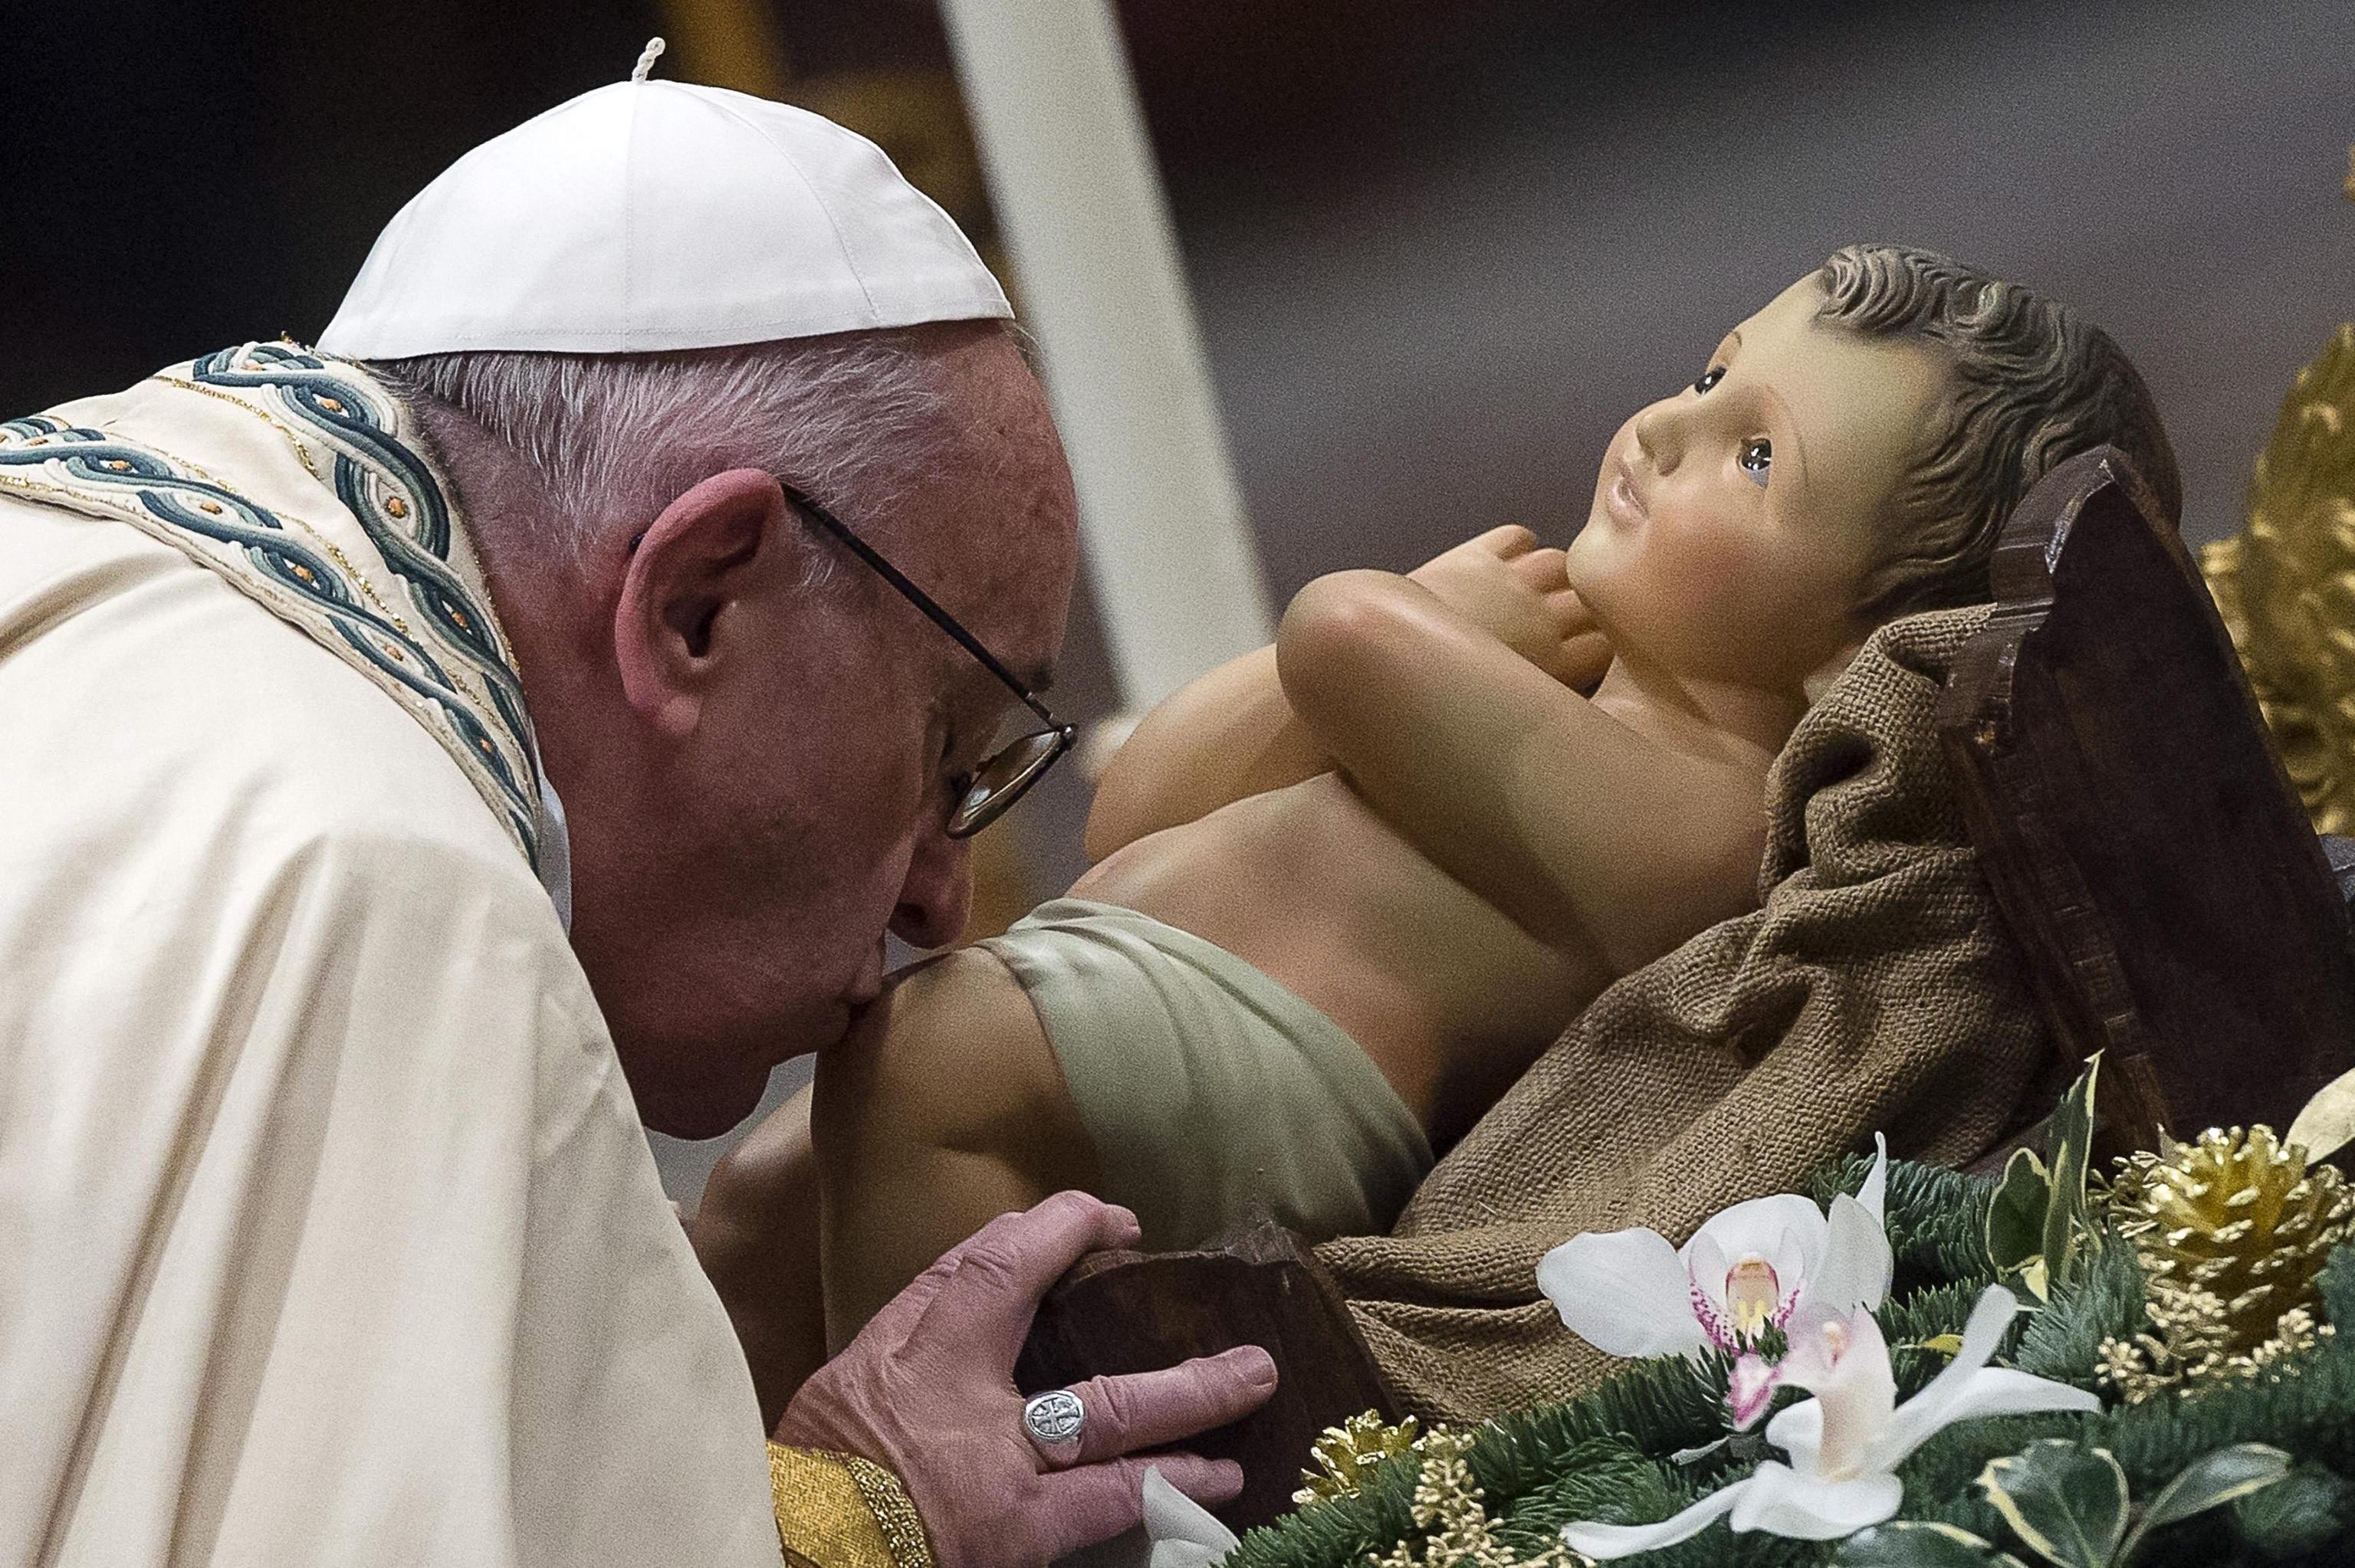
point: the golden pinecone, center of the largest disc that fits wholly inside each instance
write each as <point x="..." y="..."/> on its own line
<point x="2239" y="1214"/>
<point x="2231" y="1231"/>
<point x="1345" y="1453"/>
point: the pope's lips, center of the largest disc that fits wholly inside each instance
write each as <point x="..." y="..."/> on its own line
<point x="1626" y="499"/>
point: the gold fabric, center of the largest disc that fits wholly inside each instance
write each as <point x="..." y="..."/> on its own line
<point x="2285" y="585"/>
<point x="838" y="1510"/>
<point x="1873" y="991"/>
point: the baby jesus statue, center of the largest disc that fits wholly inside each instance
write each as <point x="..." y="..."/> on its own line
<point x="1346" y="889"/>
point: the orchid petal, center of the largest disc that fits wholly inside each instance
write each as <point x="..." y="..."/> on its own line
<point x="1799" y="1431"/>
<point x="1750" y="1389"/>
<point x="1623" y="1292"/>
<point x="1874" y="1193"/>
<point x="1959" y="1393"/>
<point x="1982" y="1336"/>
<point x="1857" y="1397"/>
<point x="1988" y="1390"/>
<point x="1608" y="1541"/>
<point x="1182" y="1531"/>
<point x="1795" y="1259"/>
<point x="1813" y="1349"/>
<point x="1765" y="1228"/>
<point x="1858" y="1264"/>
<point x="1781" y="1501"/>
<point x="1705" y="1265"/>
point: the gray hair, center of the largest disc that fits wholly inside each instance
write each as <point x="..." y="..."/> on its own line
<point x="602" y="443"/>
<point x="2035" y="384"/>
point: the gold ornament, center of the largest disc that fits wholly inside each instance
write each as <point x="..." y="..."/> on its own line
<point x="2231" y="1231"/>
<point x="2285" y="585"/>
<point x="1449" y="1504"/>
<point x="1346" y="1453"/>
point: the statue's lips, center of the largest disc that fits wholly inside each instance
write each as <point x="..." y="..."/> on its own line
<point x="1626" y="501"/>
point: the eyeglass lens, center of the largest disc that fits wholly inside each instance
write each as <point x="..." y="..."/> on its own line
<point x="1003" y="776"/>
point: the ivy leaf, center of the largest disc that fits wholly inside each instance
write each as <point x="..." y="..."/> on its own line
<point x="2208" y="1482"/>
<point x="2296" y="1515"/>
<point x="2067" y="1503"/>
<point x="1909" y="1544"/>
<point x="2040" y="1219"/>
<point x="2067" y="1218"/>
<point x="2014" y="1226"/>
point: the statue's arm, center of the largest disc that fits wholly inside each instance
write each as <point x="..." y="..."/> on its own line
<point x="1510" y="780"/>
<point x="1234" y="733"/>
<point x="1225" y="735"/>
<point x="946" y="1107"/>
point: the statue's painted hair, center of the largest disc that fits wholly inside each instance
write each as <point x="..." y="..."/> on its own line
<point x="2035" y="384"/>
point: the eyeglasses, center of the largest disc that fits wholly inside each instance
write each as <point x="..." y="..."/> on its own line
<point x="983" y="795"/>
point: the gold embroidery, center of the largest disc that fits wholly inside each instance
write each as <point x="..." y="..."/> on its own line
<point x="302" y="453"/>
<point x="358" y="577"/>
<point x="890" y="1503"/>
<point x="836" y="1510"/>
<point x="469" y="691"/>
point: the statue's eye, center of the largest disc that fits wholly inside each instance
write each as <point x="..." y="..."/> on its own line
<point x="1709" y="377"/>
<point x="1757" y="458"/>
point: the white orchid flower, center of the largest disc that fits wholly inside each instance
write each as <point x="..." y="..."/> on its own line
<point x="1753" y="1266"/>
<point x="1180" y="1532"/>
<point x="1846" y="1442"/>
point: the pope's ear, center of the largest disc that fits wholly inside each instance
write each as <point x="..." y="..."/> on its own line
<point x="1820" y="680"/>
<point x="682" y="575"/>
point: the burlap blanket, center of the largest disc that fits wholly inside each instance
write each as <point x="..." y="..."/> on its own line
<point x="1874" y="989"/>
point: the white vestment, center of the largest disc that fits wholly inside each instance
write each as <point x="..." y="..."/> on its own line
<point x="328" y="1230"/>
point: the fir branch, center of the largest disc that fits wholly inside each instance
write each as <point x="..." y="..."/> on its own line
<point x="1654" y="1407"/>
<point x="2338" y="1290"/>
<point x="1343" y="1530"/>
<point x="1936" y="1216"/>
<point x="1605" y="1481"/>
<point x="2105" y="1301"/>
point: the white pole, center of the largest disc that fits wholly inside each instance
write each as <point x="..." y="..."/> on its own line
<point x="1079" y="202"/>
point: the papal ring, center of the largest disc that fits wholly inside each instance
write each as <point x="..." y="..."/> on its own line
<point x="1054" y="1421"/>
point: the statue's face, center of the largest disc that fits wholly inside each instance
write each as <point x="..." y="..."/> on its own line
<point x="1734" y="522"/>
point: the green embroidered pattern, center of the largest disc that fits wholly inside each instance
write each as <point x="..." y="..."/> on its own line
<point x="445" y="663"/>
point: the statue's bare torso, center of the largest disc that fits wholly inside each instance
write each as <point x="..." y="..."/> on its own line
<point x="1449" y="997"/>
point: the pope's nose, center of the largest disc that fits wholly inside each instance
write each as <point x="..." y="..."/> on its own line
<point x="937" y="895"/>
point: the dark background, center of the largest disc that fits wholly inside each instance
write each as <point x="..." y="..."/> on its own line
<point x="1439" y="250"/>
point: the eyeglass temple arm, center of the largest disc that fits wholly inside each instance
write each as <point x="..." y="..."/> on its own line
<point x="922" y="600"/>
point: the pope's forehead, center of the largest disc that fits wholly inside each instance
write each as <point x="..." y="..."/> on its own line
<point x="991" y="526"/>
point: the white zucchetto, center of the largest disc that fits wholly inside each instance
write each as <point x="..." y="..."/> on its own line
<point x="654" y="215"/>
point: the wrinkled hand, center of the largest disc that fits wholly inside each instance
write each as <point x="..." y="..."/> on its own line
<point x="1503" y="583"/>
<point x="927" y="1388"/>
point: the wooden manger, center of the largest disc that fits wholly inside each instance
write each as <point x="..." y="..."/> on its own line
<point x="2174" y="906"/>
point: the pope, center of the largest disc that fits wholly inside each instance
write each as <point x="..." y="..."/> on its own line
<point x="431" y="753"/>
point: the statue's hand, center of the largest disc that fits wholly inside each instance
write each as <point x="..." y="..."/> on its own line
<point x="927" y="1389"/>
<point x="1504" y="584"/>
